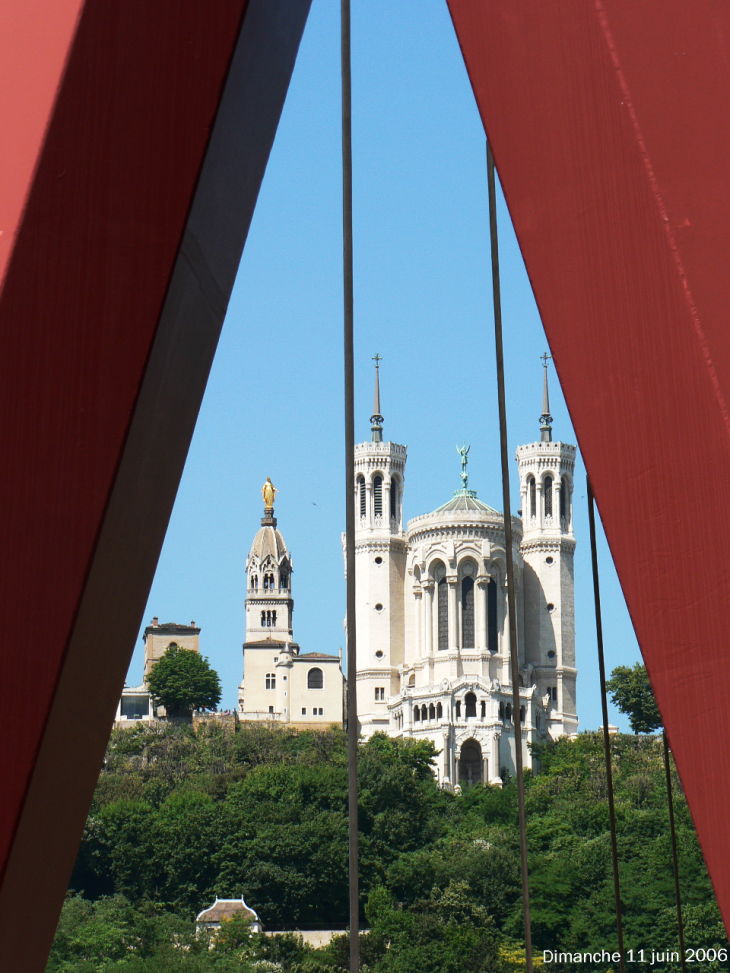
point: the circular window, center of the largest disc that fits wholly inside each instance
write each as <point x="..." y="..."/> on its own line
<point x="548" y="560"/>
<point x="551" y="654"/>
<point x="379" y="654"/>
<point x="378" y="607"/>
<point x="550" y="606"/>
<point x="378" y="560"/>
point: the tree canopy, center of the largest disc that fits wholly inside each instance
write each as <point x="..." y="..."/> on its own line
<point x="631" y="691"/>
<point x="183" y="680"/>
<point x="180" y="817"/>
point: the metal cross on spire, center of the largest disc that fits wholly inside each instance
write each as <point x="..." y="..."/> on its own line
<point x="546" y="429"/>
<point x="376" y="418"/>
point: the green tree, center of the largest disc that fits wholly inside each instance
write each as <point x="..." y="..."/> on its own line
<point x="183" y="680"/>
<point x="631" y="691"/>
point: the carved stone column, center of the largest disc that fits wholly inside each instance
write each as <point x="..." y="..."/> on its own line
<point x="428" y="588"/>
<point x="453" y="613"/>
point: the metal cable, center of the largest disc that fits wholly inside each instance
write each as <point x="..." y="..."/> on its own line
<point x="674" y="849"/>
<point x="508" y="544"/>
<point x="606" y="735"/>
<point x="352" y="724"/>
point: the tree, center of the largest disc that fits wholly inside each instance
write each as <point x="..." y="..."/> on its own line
<point x="182" y="681"/>
<point x="631" y="691"/>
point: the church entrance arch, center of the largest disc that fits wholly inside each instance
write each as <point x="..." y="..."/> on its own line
<point x="470" y="763"/>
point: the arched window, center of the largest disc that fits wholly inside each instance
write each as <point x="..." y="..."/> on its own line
<point x="256" y="582"/>
<point x="432" y="712"/>
<point x="467" y="613"/>
<point x="315" y="679"/>
<point x="508" y="711"/>
<point x="417" y="714"/>
<point x="470" y="702"/>
<point x="393" y="499"/>
<point x="362" y="496"/>
<point x="378" y="496"/>
<point x="412" y="679"/>
<point x="533" y="497"/>
<point x="522" y="714"/>
<point x="283" y="580"/>
<point x="458" y="709"/>
<point x="273" y="619"/>
<point x="501" y="712"/>
<point x="263" y="619"/>
<point x="564" y="497"/>
<point x="443" y="614"/>
<point x="492" y="615"/>
<point x="484" y="710"/>
<point x="547" y="489"/>
<point x="270" y="680"/>
<point x="439" y="711"/>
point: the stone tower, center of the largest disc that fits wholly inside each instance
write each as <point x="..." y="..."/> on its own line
<point x="269" y="604"/>
<point x="546" y="471"/>
<point x="380" y="559"/>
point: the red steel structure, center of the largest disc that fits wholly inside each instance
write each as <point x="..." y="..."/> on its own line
<point x="135" y="137"/>
<point x="610" y="126"/>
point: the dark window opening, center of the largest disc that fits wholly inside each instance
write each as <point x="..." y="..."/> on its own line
<point x="432" y="712"/>
<point x="439" y="711"/>
<point x="363" y="500"/>
<point x="522" y="714"/>
<point x="393" y="499"/>
<point x="458" y="709"/>
<point x="470" y="701"/>
<point x="467" y="613"/>
<point x="501" y="712"/>
<point x="563" y="492"/>
<point x="443" y="614"/>
<point x="417" y="714"/>
<point x="533" y="497"/>
<point x="135" y="707"/>
<point x="378" y="496"/>
<point x="508" y="711"/>
<point x="263" y="619"/>
<point x="484" y="710"/>
<point x="548" y="491"/>
<point x="492" y="615"/>
<point x="315" y="679"/>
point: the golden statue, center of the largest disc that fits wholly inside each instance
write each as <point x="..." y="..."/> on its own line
<point x="268" y="492"/>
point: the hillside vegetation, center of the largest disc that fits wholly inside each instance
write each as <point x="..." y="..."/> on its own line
<point x="178" y="819"/>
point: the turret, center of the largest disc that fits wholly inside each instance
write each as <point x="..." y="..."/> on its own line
<point x="546" y="471"/>
<point x="380" y="554"/>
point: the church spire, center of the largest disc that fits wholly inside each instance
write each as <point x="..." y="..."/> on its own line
<point x="376" y="418"/>
<point x="546" y="429"/>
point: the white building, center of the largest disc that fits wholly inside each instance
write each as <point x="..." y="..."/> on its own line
<point x="280" y="683"/>
<point x="433" y="652"/>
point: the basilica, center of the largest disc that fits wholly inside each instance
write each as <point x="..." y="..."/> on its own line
<point x="433" y="644"/>
<point x="433" y="650"/>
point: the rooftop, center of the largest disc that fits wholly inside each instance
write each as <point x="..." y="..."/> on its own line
<point x="224" y="909"/>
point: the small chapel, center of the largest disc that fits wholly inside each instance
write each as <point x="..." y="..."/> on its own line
<point x="433" y="643"/>
<point x="281" y="683"/>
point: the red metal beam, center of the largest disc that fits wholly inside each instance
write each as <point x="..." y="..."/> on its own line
<point x="135" y="138"/>
<point x="610" y="125"/>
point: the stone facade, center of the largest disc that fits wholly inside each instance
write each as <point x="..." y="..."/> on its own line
<point x="280" y="683"/>
<point x="433" y="642"/>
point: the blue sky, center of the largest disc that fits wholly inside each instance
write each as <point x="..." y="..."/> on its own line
<point x="274" y="401"/>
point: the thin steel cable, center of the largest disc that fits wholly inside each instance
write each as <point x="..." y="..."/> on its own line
<point x="352" y="725"/>
<point x="674" y="850"/>
<point x="606" y="735"/>
<point x="508" y="544"/>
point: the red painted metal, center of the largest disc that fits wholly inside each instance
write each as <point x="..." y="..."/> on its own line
<point x="610" y="126"/>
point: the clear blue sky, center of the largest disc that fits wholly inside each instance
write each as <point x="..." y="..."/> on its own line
<point x="274" y="401"/>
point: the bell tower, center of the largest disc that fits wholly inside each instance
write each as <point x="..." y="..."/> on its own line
<point x="546" y="471"/>
<point x="380" y="561"/>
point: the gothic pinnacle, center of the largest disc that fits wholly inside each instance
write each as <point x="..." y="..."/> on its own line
<point x="546" y="428"/>
<point x="376" y="418"/>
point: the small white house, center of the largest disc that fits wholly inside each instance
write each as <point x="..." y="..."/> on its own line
<point x="210" y="919"/>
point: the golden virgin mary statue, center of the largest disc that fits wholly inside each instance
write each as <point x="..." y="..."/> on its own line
<point x="268" y="492"/>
